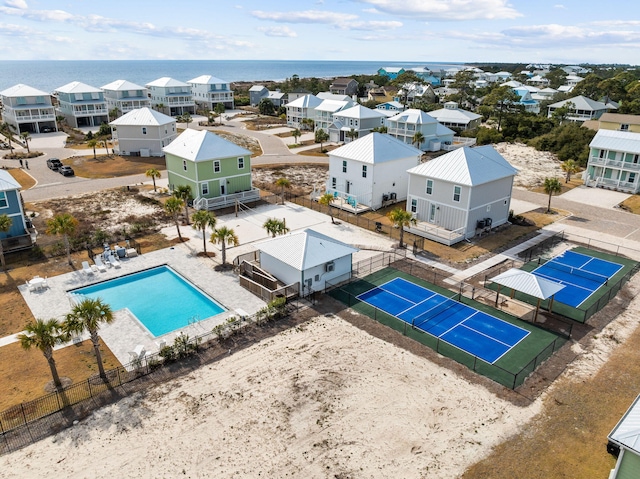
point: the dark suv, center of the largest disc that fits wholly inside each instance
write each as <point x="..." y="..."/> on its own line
<point x="54" y="164"/>
<point x="66" y="171"/>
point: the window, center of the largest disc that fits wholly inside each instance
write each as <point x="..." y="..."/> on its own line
<point x="429" y="187"/>
<point x="3" y="199"/>
<point x="635" y="158"/>
<point x="184" y="165"/>
<point x="632" y="177"/>
<point x="334" y="182"/>
<point x="205" y="189"/>
<point x="602" y="152"/>
<point x="414" y="206"/>
<point x="344" y="166"/>
<point x="240" y="163"/>
<point x="216" y="166"/>
<point x="144" y="130"/>
<point x="456" y="193"/>
<point x="624" y="127"/>
<point x="364" y="171"/>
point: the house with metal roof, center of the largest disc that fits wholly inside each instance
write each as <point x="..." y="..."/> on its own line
<point x="142" y="132"/>
<point x="81" y="105"/>
<point x="208" y="91"/>
<point x="326" y="110"/>
<point x="391" y="72"/>
<point x="582" y="108"/>
<point x="21" y="234"/>
<point x="217" y="170"/>
<point x="457" y="195"/>
<point x="257" y="93"/>
<point x="452" y="116"/>
<point x="624" y="443"/>
<point x="308" y="258"/>
<point x="344" y="86"/>
<point x="616" y="121"/>
<point x="406" y="124"/>
<point x="392" y="107"/>
<point x="370" y="172"/>
<point x="124" y="96"/>
<point x="358" y="118"/>
<point x="614" y="161"/>
<point x="171" y="96"/>
<point x="300" y="109"/>
<point x="28" y="109"/>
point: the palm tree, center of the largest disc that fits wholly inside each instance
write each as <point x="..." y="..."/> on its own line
<point x="224" y="236"/>
<point x="7" y="131"/>
<point x="551" y="187"/>
<point x="173" y="206"/>
<point x="92" y="143"/>
<point x="321" y="137"/>
<point x="186" y="118"/>
<point x="87" y="316"/>
<point x="105" y="143"/>
<point x="283" y="183"/>
<point x="326" y="200"/>
<point x="274" y="226"/>
<point x="308" y="123"/>
<point x="153" y="174"/>
<point x="296" y="134"/>
<point x="160" y="107"/>
<point x="352" y="134"/>
<point x="26" y="136"/>
<point x="5" y="226"/>
<point x="569" y="167"/>
<point x="184" y="193"/>
<point x="63" y="224"/>
<point x="417" y="139"/>
<point x="201" y="220"/>
<point x="44" y="334"/>
<point x="400" y="219"/>
<point x="220" y="109"/>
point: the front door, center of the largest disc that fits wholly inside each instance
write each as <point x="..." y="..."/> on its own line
<point x="222" y="189"/>
<point x="432" y="213"/>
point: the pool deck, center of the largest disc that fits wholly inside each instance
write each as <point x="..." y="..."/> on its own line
<point x="125" y="333"/>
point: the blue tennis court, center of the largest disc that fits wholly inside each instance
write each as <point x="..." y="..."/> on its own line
<point x="478" y="333"/>
<point x="580" y="274"/>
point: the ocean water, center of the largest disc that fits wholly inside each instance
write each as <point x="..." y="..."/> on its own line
<point x="49" y="75"/>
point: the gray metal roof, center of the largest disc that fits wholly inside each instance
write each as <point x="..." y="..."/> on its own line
<point x="376" y="148"/>
<point x="625" y="141"/>
<point x="627" y="431"/>
<point x="359" y="112"/>
<point x="307" y="101"/>
<point x="202" y="145"/>
<point x="305" y="249"/>
<point x="8" y="182"/>
<point x="122" y="85"/>
<point x="22" y="90"/>
<point x="413" y="116"/>
<point x="167" y="82"/>
<point x="528" y="283"/>
<point x="143" y="117"/>
<point x="77" y="87"/>
<point x="207" y="80"/>
<point x="467" y="166"/>
<point x="581" y="103"/>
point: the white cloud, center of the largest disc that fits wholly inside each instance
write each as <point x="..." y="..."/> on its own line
<point x="283" y="31"/>
<point x="307" y="16"/>
<point x="560" y="6"/>
<point x="447" y="9"/>
<point x="21" y="4"/>
<point x="373" y="25"/>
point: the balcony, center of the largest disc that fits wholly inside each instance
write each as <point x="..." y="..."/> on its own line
<point x="616" y="185"/>
<point x="437" y="233"/>
<point x="459" y="142"/>
<point x="623" y="165"/>
<point x="226" y="200"/>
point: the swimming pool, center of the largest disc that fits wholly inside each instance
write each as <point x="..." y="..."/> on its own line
<point x="159" y="298"/>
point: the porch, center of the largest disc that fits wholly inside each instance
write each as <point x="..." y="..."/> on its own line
<point x="437" y="233"/>
<point x="343" y="201"/>
<point x="226" y="200"/>
<point x="262" y="284"/>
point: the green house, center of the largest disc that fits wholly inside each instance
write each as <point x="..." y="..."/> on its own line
<point x="624" y="442"/>
<point x="218" y="171"/>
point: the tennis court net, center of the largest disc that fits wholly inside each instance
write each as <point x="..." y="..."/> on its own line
<point x="437" y="310"/>
<point x="598" y="278"/>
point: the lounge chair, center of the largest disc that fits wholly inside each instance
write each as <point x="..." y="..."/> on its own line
<point x="99" y="263"/>
<point x="113" y="261"/>
<point x="30" y="287"/>
<point x="86" y="268"/>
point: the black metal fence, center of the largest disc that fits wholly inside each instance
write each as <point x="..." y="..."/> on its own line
<point x="15" y="421"/>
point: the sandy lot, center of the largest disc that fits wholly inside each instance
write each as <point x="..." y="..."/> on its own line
<point x="534" y="166"/>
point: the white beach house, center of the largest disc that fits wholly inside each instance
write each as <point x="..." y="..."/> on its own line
<point x="171" y="96"/>
<point x="124" y="96"/>
<point x="28" y="109"/>
<point x="81" y="105"/>
<point x="208" y="91"/>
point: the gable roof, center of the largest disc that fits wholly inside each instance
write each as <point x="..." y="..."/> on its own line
<point x="581" y="103"/>
<point x="77" y="87"/>
<point x="342" y="81"/>
<point x="627" y="432"/>
<point x="122" y="85"/>
<point x="414" y="116"/>
<point x="327" y="95"/>
<point x="305" y="249"/>
<point x="202" y="145"/>
<point x="143" y="117"/>
<point x="167" y="81"/>
<point x="626" y="141"/>
<point x="207" y="80"/>
<point x="376" y="148"/>
<point x="333" y="105"/>
<point x="360" y="112"/>
<point x="467" y="166"/>
<point x="22" y="90"/>
<point x="307" y="101"/>
<point x="8" y="182"/>
<point x="454" y="115"/>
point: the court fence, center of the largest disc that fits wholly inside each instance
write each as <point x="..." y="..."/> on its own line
<point x="16" y="430"/>
<point x="461" y="292"/>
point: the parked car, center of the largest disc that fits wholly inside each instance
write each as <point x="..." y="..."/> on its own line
<point x="46" y="129"/>
<point x="54" y="164"/>
<point x="66" y="171"/>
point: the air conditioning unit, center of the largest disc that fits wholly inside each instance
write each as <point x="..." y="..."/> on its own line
<point x="329" y="267"/>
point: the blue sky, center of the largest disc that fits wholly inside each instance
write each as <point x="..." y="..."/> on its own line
<point x="570" y="31"/>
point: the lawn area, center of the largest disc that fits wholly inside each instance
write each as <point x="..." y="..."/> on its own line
<point x="631" y="204"/>
<point x="103" y="166"/>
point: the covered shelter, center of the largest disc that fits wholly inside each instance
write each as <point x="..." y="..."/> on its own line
<point x="528" y="283"/>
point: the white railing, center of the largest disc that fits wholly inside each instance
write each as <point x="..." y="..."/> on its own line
<point x="625" y="165"/>
<point x="35" y="117"/>
<point x="226" y="200"/>
<point x="459" y="142"/>
<point x="616" y="184"/>
<point x="437" y="233"/>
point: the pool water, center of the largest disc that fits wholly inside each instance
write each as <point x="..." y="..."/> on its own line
<point x="160" y="298"/>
